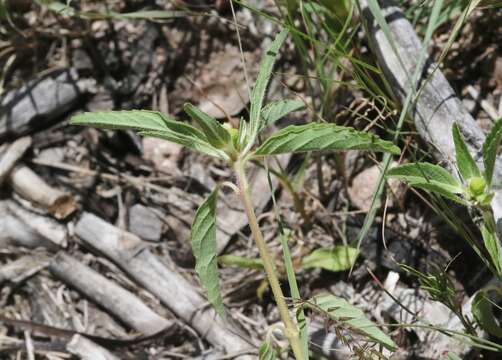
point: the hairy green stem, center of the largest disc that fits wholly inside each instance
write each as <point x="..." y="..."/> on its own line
<point x="291" y="330"/>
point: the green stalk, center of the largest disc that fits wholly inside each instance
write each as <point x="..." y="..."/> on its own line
<point x="291" y="330"/>
<point x="295" y="293"/>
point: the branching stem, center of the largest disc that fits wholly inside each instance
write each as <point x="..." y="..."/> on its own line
<point x="291" y="330"/>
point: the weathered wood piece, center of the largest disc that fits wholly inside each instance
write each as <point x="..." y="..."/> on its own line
<point x="20" y="227"/>
<point x="32" y="187"/>
<point x="12" y="155"/>
<point x="85" y="349"/>
<point x="173" y="290"/>
<point x="38" y="103"/>
<point x="437" y="107"/>
<point x="18" y="270"/>
<point x="123" y="304"/>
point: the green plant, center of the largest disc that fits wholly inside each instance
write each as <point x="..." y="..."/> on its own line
<point x="440" y="288"/>
<point x="472" y="188"/>
<point x="237" y="147"/>
<point x="337" y="258"/>
<point x="349" y="317"/>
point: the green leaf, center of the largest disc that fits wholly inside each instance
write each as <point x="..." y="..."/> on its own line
<point x="278" y="109"/>
<point x="150" y="123"/>
<point x="260" y="88"/>
<point x="341" y="311"/>
<point x="194" y="142"/>
<point x="242" y="133"/>
<point x="142" y="120"/>
<point x="338" y="258"/>
<point x="240" y="261"/>
<point x="482" y="310"/>
<point x="492" y="245"/>
<point x="204" y="250"/>
<point x="322" y="136"/>
<point x="267" y="351"/>
<point x="429" y="177"/>
<point x="490" y="148"/>
<point x="466" y="164"/>
<point x="215" y="133"/>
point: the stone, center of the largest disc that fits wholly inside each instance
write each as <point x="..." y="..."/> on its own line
<point x="145" y="223"/>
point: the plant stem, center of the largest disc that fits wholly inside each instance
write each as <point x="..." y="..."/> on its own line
<point x="291" y="330"/>
<point x="295" y="293"/>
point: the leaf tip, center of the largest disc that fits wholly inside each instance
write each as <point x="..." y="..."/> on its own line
<point x="395" y="150"/>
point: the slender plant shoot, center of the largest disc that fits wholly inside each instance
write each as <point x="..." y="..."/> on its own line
<point x="239" y="146"/>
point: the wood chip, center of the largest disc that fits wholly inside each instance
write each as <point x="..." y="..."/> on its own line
<point x="85" y="349"/>
<point x="12" y="155"/>
<point x="123" y="304"/>
<point x="32" y="187"/>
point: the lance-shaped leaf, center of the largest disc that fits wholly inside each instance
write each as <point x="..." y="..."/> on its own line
<point x="338" y="258"/>
<point x="215" y="133"/>
<point x="278" y="109"/>
<point x="132" y="119"/>
<point x="241" y="261"/>
<point x="466" y="164"/>
<point x="260" y="87"/>
<point x="490" y="148"/>
<point x="241" y="133"/>
<point x="316" y="136"/>
<point x="341" y="311"/>
<point x="429" y="177"/>
<point x="196" y="141"/>
<point x="204" y="250"/>
<point x="150" y="123"/>
<point x="492" y="245"/>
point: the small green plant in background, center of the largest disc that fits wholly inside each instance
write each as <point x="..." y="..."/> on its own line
<point x="237" y="147"/>
<point x="474" y="189"/>
<point x="441" y="288"/>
